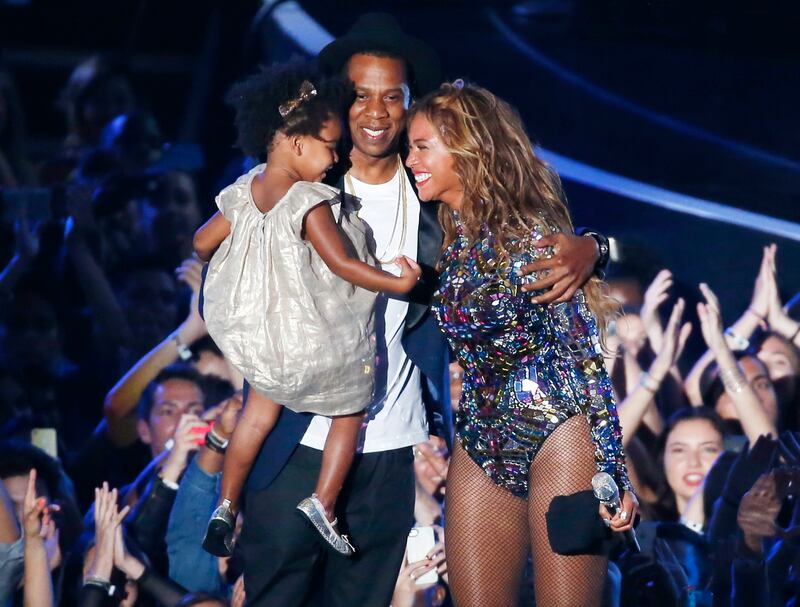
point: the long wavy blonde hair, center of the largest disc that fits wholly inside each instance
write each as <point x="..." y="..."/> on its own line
<point x="507" y="187"/>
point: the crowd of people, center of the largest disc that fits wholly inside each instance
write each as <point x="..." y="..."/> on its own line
<point x="110" y="384"/>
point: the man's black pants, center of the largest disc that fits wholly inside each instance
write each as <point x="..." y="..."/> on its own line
<point x="285" y="562"/>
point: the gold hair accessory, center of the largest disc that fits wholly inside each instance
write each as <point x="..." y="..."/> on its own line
<point x="307" y="91"/>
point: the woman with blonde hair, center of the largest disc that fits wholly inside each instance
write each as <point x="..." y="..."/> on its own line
<point x="537" y="417"/>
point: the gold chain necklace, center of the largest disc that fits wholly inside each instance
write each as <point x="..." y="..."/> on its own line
<point x="402" y="207"/>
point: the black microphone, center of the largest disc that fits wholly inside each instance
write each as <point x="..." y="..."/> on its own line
<point x="606" y="490"/>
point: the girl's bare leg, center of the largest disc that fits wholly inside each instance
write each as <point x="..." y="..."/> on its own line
<point x="258" y="419"/>
<point x="337" y="457"/>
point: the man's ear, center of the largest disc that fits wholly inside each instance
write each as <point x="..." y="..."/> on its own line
<point x="143" y="430"/>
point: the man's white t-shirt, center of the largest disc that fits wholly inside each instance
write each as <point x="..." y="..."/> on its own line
<point x="396" y="417"/>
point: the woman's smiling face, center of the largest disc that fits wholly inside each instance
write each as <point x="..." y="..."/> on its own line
<point x="692" y="447"/>
<point x="432" y="164"/>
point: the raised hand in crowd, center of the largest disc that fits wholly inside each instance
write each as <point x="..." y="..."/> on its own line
<point x="640" y="400"/>
<point x="132" y="567"/>
<point x="111" y="553"/>
<point x="754" y="419"/>
<point x="106" y="520"/>
<point x="190" y="272"/>
<point x="632" y="337"/>
<point x="37" y="525"/>
<point x="655" y="295"/>
<point x="777" y="318"/>
<point x="740" y="332"/>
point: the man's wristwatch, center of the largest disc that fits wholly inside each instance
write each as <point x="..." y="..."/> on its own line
<point x="603" y="246"/>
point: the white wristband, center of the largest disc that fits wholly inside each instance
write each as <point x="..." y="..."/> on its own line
<point x="184" y="351"/>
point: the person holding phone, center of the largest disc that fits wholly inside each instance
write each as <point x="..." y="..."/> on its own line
<point x="537" y="416"/>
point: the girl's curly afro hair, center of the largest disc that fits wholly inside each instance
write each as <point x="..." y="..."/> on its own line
<point x="256" y="100"/>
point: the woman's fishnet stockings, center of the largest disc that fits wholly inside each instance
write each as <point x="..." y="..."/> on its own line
<point x="489" y="531"/>
<point x="486" y="534"/>
<point x="564" y="465"/>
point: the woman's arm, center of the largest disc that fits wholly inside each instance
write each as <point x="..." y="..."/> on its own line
<point x="576" y="334"/>
<point x="321" y="231"/>
<point x="752" y="416"/>
<point x="779" y="321"/>
<point x="752" y="318"/>
<point x="120" y="403"/>
<point x="37" y="582"/>
<point x="640" y="400"/>
<point x="164" y="591"/>
<point x="210" y="235"/>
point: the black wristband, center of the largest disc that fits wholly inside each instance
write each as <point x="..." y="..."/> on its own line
<point x="604" y="247"/>
<point x="216" y="444"/>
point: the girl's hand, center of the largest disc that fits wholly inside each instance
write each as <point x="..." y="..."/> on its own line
<point x="657" y="293"/>
<point x="410" y="273"/>
<point x="672" y="343"/>
<point x="50" y="535"/>
<point x="759" y="304"/>
<point x="625" y="516"/>
<point x="711" y="320"/>
<point x="34" y="510"/>
<point x="129" y="565"/>
<point x="775" y="312"/>
<point x="105" y="516"/>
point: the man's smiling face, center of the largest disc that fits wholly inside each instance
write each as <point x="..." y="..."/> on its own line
<point x="377" y="116"/>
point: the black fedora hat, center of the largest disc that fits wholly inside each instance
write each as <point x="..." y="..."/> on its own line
<point x="381" y="32"/>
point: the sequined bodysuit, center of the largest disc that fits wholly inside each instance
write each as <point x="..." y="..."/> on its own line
<point x="527" y="367"/>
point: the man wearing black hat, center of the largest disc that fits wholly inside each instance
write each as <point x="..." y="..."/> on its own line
<point x="284" y="563"/>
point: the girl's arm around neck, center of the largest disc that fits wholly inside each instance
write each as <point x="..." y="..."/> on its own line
<point x="321" y="231"/>
<point x="210" y="235"/>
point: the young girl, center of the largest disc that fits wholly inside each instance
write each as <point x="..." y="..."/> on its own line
<point x="288" y="297"/>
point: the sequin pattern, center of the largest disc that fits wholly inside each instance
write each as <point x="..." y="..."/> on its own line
<point x="527" y="367"/>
